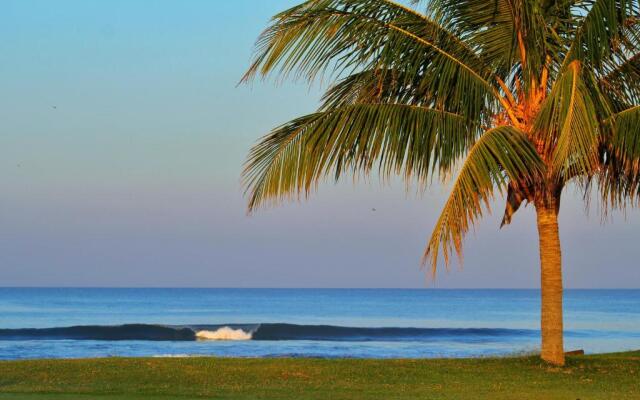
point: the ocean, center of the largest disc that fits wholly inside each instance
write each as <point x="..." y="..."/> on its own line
<point x="361" y="323"/>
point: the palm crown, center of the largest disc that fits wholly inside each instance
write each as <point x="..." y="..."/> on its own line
<point x="519" y="97"/>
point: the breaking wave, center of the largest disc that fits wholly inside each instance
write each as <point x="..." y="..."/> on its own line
<point x="224" y="333"/>
<point x="267" y="331"/>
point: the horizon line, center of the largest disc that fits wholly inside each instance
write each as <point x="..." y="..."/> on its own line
<point x="307" y="288"/>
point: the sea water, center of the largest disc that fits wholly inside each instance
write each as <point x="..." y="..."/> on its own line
<point x="372" y="323"/>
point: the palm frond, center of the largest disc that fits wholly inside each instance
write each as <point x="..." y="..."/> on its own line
<point x="496" y="40"/>
<point x="619" y="175"/>
<point x="506" y="32"/>
<point x="376" y="86"/>
<point x="620" y="82"/>
<point x="568" y="125"/>
<point x="501" y="155"/>
<point x="347" y="37"/>
<point x="398" y="138"/>
<point x="626" y="137"/>
<point x="607" y="25"/>
<point x="618" y="187"/>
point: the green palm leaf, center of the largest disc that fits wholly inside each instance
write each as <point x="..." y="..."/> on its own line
<point x="493" y="26"/>
<point x="351" y="36"/>
<point x="620" y="82"/>
<point x="619" y="176"/>
<point x="377" y="86"/>
<point x="568" y="125"/>
<point x="501" y="155"/>
<point x="398" y="138"/>
<point x="626" y="137"/>
<point x="608" y="27"/>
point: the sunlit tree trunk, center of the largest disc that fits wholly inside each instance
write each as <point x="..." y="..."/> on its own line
<point x="551" y="280"/>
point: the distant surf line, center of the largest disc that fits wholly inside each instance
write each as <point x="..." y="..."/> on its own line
<point x="263" y="331"/>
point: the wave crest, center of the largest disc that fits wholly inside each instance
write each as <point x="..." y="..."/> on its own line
<point x="224" y="333"/>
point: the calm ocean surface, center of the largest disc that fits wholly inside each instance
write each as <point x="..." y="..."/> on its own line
<point x="304" y="322"/>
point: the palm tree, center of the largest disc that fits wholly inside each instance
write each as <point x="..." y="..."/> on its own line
<point x="518" y="97"/>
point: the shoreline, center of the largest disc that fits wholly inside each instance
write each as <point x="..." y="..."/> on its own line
<point x="602" y="376"/>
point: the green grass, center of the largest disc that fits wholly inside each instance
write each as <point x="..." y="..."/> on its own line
<point x="608" y="376"/>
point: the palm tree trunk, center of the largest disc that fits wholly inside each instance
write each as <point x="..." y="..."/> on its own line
<point x="551" y="281"/>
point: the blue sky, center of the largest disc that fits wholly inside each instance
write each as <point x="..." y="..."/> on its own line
<point x="123" y="135"/>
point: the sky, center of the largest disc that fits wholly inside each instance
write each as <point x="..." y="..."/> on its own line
<point x="123" y="132"/>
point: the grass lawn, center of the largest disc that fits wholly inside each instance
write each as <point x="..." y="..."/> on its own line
<point x="607" y="376"/>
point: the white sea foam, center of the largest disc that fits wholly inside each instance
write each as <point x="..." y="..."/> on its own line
<point x="224" y="333"/>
